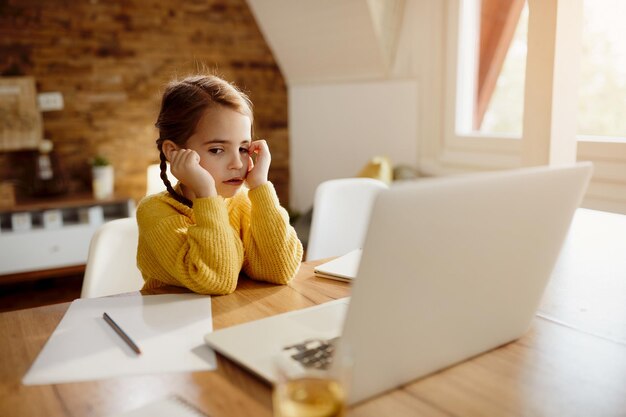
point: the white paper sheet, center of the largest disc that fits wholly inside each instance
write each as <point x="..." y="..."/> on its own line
<point x="169" y="330"/>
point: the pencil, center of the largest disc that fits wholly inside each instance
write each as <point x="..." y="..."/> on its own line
<point x="121" y="333"/>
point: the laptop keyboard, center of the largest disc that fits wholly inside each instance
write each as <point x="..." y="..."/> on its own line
<point x="313" y="353"/>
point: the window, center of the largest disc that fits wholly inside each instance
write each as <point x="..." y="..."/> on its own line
<point x="504" y="109"/>
<point x="602" y="90"/>
<point x="493" y="44"/>
<point x="477" y="120"/>
<point x="497" y="98"/>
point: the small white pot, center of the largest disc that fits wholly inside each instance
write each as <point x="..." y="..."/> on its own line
<point x="102" y="182"/>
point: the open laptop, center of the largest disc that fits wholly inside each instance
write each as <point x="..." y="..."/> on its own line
<point x="451" y="267"/>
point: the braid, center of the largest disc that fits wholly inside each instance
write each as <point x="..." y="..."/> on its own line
<point x="180" y="198"/>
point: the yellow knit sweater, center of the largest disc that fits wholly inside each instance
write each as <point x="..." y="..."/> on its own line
<point x="204" y="248"/>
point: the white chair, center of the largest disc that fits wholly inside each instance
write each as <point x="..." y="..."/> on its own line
<point x="111" y="263"/>
<point x="154" y="183"/>
<point x="341" y="211"/>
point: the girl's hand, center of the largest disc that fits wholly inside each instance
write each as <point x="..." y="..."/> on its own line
<point x="257" y="172"/>
<point x="185" y="165"/>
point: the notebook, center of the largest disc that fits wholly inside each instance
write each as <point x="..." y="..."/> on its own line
<point x="343" y="268"/>
<point x="451" y="268"/>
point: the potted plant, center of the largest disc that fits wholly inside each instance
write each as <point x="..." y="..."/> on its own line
<point x="102" y="175"/>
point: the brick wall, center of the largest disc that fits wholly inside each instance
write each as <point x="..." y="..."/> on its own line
<point x="111" y="59"/>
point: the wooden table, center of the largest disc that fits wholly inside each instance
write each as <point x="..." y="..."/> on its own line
<point x="572" y="362"/>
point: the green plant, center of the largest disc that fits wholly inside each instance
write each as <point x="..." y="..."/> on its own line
<point x="100" y="161"/>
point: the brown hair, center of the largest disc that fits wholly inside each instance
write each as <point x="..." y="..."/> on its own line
<point x="183" y="104"/>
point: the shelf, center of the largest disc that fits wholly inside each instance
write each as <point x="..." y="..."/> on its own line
<point x="30" y="248"/>
<point x="79" y="200"/>
<point x="71" y="211"/>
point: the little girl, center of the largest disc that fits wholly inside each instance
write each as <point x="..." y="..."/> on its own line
<point x="202" y="232"/>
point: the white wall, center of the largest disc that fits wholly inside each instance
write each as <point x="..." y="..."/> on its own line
<point x="336" y="128"/>
<point x="322" y="40"/>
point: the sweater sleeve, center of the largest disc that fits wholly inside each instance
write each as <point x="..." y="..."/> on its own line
<point x="273" y="250"/>
<point x="205" y="257"/>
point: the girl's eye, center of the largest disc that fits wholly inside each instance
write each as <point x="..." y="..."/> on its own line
<point x="243" y="150"/>
<point x="216" y="150"/>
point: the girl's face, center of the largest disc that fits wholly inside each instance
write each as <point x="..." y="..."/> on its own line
<point x="222" y="139"/>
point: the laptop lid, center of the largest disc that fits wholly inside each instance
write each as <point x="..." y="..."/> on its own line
<point x="450" y="268"/>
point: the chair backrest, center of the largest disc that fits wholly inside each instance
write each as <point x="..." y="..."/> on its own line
<point x="111" y="263"/>
<point x="341" y="211"/>
<point x="154" y="183"/>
